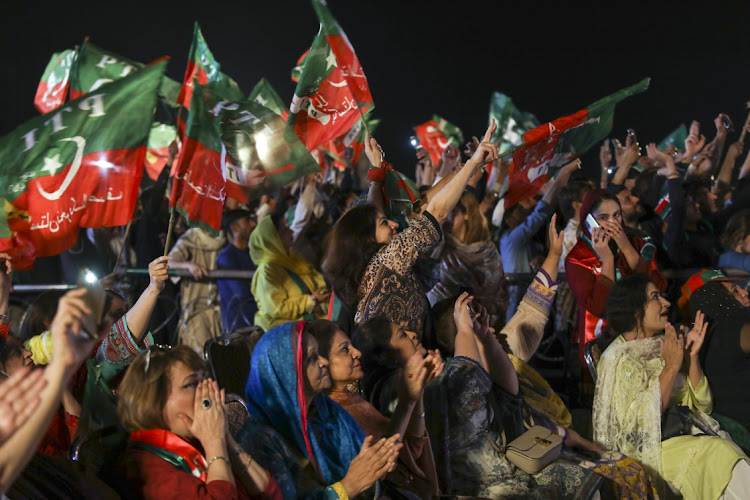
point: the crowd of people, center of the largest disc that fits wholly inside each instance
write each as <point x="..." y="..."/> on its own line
<point x="394" y="358"/>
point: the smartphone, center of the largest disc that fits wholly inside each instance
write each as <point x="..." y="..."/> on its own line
<point x="414" y="141"/>
<point x="95" y="300"/>
<point x="591" y="223"/>
<point x="726" y="121"/>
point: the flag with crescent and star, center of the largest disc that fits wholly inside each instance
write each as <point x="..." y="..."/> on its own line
<point x="437" y="134"/>
<point x="554" y="144"/>
<point x="202" y="67"/>
<point x="52" y="90"/>
<point x="264" y="94"/>
<point x="77" y="166"/>
<point x="239" y="149"/>
<point x="331" y="88"/>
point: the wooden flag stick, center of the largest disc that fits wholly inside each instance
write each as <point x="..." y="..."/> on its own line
<point x="501" y="155"/>
<point x="364" y="122"/>
<point x="124" y="245"/>
<point x="170" y="230"/>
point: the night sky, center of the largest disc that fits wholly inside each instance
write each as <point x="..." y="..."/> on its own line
<point x="425" y="57"/>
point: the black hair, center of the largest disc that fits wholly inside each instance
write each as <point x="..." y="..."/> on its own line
<point x="349" y="247"/>
<point x="574" y="191"/>
<point x="626" y="307"/>
<point x="380" y="362"/>
<point x="39" y="315"/>
<point x="323" y="331"/>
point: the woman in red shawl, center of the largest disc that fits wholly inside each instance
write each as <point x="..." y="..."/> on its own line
<point x="603" y="255"/>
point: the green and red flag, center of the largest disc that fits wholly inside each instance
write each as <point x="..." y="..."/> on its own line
<point x="264" y="94"/>
<point x="347" y="149"/>
<point x="676" y="137"/>
<point x="237" y="149"/>
<point x="331" y="88"/>
<point x="78" y="166"/>
<point x="552" y="145"/>
<point x="297" y="70"/>
<point x="52" y="90"/>
<point x="202" y="67"/>
<point x="157" y="153"/>
<point x="511" y="122"/>
<point x="95" y="66"/>
<point x="436" y="135"/>
<point x="262" y="153"/>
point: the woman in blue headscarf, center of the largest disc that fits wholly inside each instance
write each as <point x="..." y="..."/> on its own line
<point x="311" y="446"/>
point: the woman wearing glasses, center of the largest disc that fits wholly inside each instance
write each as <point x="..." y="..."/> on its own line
<point x="180" y="446"/>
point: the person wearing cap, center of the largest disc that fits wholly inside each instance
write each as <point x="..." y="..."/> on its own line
<point x="238" y="306"/>
<point x="726" y="350"/>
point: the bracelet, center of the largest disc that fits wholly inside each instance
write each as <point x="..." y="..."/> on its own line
<point x="217" y="457"/>
<point x="340" y="491"/>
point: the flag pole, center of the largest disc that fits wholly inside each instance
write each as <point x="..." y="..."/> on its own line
<point x="501" y="155"/>
<point x="367" y="129"/>
<point x="124" y="244"/>
<point x="170" y="230"/>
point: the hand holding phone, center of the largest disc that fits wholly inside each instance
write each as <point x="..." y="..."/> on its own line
<point x="591" y="223"/>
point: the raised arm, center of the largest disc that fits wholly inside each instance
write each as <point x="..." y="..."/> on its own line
<point x="140" y="314"/>
<point x="626" y="158"/>
<point x="441" y="205"/>
<point x="375" y="195"/>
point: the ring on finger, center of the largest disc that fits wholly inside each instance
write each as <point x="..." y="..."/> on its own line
<point x="206" y="403"/>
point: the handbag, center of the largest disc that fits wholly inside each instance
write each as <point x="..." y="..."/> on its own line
<point x="534" y="449"/>
<point x="680" y="421"/>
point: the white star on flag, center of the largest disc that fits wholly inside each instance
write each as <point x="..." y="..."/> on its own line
<point x="52" y="165"/>
<point x="330" y="60"/>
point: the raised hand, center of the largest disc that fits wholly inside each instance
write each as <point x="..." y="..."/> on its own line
<point x="19" y="397"/>
<point x="672" y="348"/>
<point x="605" y="154"/>
<point x="486" y="150"/>
<point x="616" y="233"/>
<point x="471" y="146"/>
<point x="694" y="142"/>
<point x="629" y="154"/>
<point x="480" y="320"/>
<point x="434" y="363"/>
<point x="69" y="344"/>
<point x="600" y="242"/>
<point x="555" y="238"/>
<point x="208" y="425"/>
<point x="6" y="267"/>
<point x="414" y="377"/>
<point x="461" y="313"/>
<point x="697" y="334"/>
<point x="158" y="272"/>
<point x="371" y="464"/>
<point x="373" y="151"/>
<point x="450" y="158"/>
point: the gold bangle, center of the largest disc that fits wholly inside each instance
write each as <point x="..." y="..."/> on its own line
<point x="217" y="457"/>
<point x="340" y="491"/>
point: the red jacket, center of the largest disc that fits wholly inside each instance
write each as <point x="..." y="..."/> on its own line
<point x="583" y="271"/>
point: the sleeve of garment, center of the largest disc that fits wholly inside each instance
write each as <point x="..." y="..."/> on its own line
<point x="735" y="260"/>
<point x="590" y="291"/>
<point x="180" y="251"/>
<point x="416" y="240"/>
<point x="119" y="348"/>
<point x="469" y="385"/>
<point x="673" y="234"/>
<point x="271" y="282"/>
<point x="163" y="480"/>
<point x="650" y="267"/>
<point x="521" y="234"/>
<point x="304" y="209"/>
<point x="697" y="398"/>
<point x="525" y="329"/>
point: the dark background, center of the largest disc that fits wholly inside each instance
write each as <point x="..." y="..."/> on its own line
<point x="425" y="57"/>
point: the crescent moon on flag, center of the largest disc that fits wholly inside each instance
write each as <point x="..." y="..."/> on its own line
<point x="443" y="144"/>
<point x="80" y="143"/>
<point x="342" y="83"/>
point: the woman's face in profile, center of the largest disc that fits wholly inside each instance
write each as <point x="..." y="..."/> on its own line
<point x="739" y="294"/>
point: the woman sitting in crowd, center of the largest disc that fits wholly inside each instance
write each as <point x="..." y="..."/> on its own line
<point x="736" y="240"/>
<point x="311" y="446"/>
<point x="641" y="376"/>
<point x="415" y="470"/>
<point x="180" y="444"/>
<point x="475" y="408"/>
<point x="726" y="351"/>
<point x="470" y="260"/>
<point x="370" y="265"/>
<point x="604" y="253"/>
<point x="285" y="286"/>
